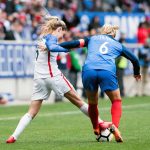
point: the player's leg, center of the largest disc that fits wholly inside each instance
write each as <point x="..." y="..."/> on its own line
<point x="93" y="109"/>
<point x="116" y="107"/>
<point x="90" y="84"/>
<point x="116" y="112"/>
<point x="61" y="86"/>
<point x="25" y="120"/>
<point x="73" y="97"/>
<point x="109" y="84"/>
<point x="64" y="88"/>
<point x="40" y="93"/>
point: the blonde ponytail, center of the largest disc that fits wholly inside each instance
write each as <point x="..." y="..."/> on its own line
<point x="51" y="24"/>
<point x="109" y="29"/>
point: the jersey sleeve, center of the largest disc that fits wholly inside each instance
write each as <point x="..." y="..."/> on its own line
<point x="75" y="43"/>
<point x="134" y="60"/>
<point x="51" y="44"/>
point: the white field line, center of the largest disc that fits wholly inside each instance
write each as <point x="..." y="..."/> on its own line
<point x="76" y="112"/>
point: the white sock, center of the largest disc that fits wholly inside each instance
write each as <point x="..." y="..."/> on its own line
<point x="84" y="109"/>
<point x="24" y="121"/>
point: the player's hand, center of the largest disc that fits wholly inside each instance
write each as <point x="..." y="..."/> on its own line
<point x="42" y="46"/>
<point x="138" y="77"/>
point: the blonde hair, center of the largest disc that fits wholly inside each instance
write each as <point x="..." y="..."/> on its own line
<point x="109" y="29"/>
<point x="51" y="24"/>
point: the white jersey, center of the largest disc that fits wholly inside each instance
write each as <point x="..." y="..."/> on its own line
<point x="47" y="76"/>
<point x="46" y="64"/>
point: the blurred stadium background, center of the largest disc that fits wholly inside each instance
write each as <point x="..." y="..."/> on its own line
<point x="19" y="22"/>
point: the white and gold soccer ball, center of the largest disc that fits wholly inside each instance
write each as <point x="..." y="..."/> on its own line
<point x="105" y="136"/>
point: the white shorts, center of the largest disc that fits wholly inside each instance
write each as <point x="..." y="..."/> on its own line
<point x="43" y="87"/>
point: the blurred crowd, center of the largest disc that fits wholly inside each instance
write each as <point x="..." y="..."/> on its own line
<point x="20" y="20"/>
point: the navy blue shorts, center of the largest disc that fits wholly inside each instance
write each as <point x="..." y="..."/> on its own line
<point x="92" y="79"/>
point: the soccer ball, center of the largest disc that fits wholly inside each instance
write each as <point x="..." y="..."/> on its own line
<point x="105" y="136"/>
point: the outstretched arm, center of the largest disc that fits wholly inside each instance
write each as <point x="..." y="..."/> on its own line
<point x="75" y="43"/>
<point x="51" y="44"/>
<point x="55" y="47"/>
<point x="134" y="60"/>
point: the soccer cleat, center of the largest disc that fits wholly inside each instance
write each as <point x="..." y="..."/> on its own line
<point x="96" y="131"/>
<point x="105" y="125"/>
<point x="11" y="139"/>
<point x="115" y="131"/>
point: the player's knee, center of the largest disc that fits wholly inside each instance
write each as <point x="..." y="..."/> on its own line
<point x="117" y="97"/>
<point x="92" y="101"/>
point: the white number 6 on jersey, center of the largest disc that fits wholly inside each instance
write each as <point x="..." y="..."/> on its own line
<point x="103" y="48"/>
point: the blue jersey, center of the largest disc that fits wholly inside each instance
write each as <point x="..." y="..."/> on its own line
<point x="99" y="68"/>
<point x="52" y="44"/>
<point x="102" y="51"/>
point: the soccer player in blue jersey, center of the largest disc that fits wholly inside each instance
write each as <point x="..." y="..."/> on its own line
<point x="99" y="69"/>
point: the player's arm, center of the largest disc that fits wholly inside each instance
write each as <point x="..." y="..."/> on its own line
<point x="134" y="60"/>
<point x="51" y="44"/>
<point x="55" y="47"/>
<point x="75" y="43"/>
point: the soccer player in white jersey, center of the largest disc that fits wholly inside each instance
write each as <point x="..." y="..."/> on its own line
<point x="48" y="77"/>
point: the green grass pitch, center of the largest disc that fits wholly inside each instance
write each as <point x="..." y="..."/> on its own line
<point x="62" y="126"/>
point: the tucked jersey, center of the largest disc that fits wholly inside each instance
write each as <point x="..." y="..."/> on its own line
<point x="46" y="61"/>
